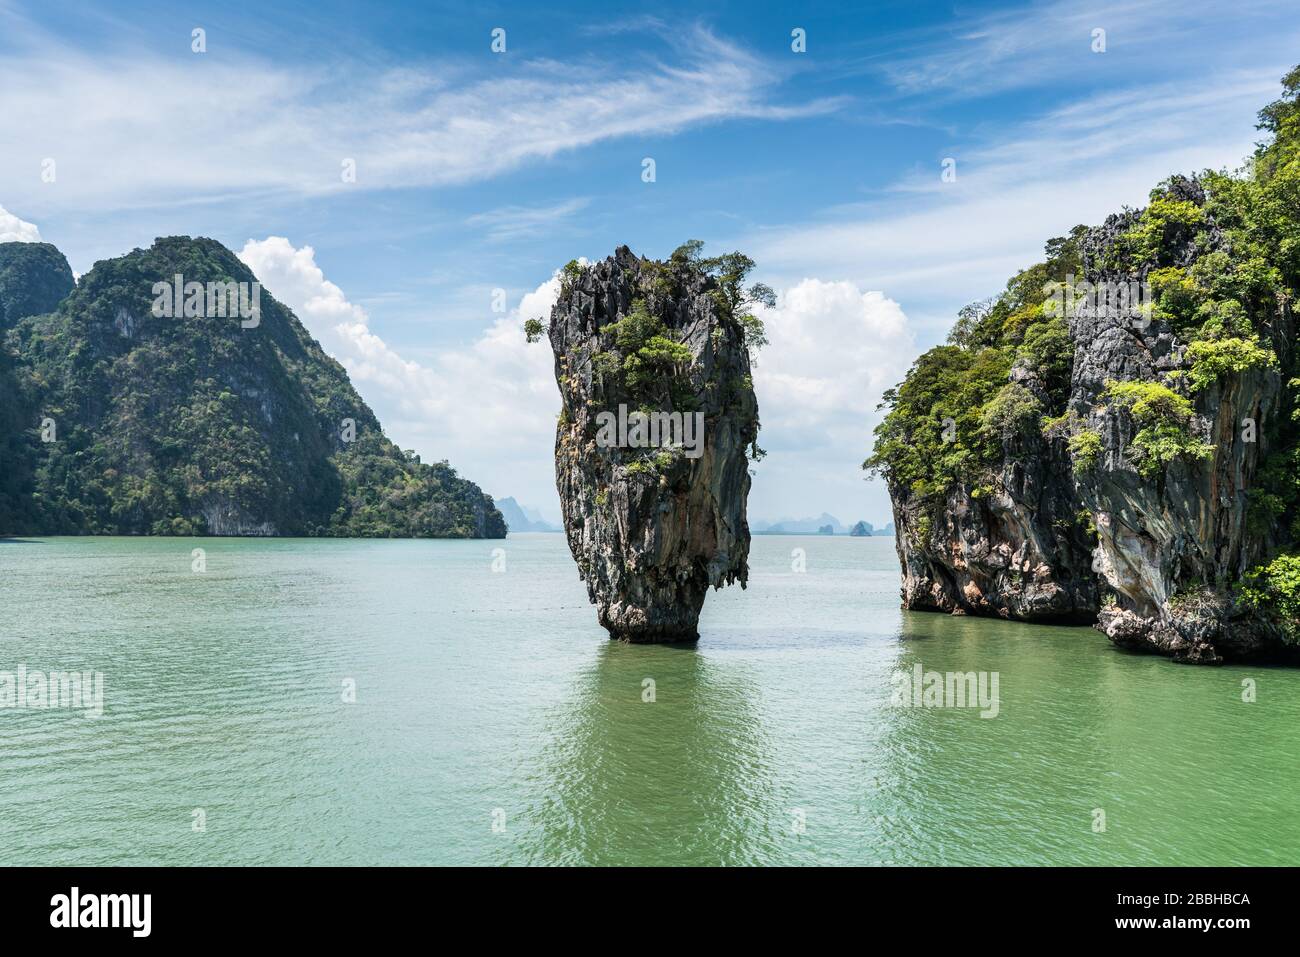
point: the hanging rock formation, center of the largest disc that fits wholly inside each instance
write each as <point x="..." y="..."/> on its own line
<point x="651" y="446"/>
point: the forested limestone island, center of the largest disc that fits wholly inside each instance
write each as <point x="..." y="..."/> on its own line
<point x="653" y="441"/>
<point x="1133" y="467"/>
<point x="118" y="421"/>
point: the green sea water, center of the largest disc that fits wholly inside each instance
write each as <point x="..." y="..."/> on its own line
<point x="494" y="723"/>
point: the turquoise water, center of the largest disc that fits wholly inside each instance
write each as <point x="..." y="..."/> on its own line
<point x="494" y="723"/>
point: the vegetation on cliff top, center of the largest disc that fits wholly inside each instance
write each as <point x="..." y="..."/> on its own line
<point x="34" y="278"/>
<point x="640" y="362"/>
<point x="949" y="417"/>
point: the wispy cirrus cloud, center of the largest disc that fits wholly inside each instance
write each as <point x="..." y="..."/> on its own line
<point x="133" y="128"/>
<point x="1023" y="45"/>
<point x="507" y="223"/>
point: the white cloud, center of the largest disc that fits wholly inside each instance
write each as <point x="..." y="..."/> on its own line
<point x="488" y="407"/>
<point x="1011" y="48"/>
<point x="832" y="350"/>
<point x="244" y="127"/>
<point x="15" y="230"/>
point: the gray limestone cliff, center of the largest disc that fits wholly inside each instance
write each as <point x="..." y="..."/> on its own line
<point x="1172" y="545"/>
<point x="651" y="445"/>
<point x="1127" y="495"/>
<point x="1014" y="552"/>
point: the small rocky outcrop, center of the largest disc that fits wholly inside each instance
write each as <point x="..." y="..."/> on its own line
<point x="34" y="278"/>
<point x="651" y="447"/>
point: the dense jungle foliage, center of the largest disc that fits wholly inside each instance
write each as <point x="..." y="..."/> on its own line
<point x="118" y="421"/>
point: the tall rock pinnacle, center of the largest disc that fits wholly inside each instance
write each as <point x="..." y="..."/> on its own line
<point x="652" y="360"/>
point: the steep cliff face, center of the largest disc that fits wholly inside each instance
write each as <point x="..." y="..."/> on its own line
<point x="1016" y="551"/>
<point x="652" y="523"/>
<point x="1173" y="542"/>
<point x="1114" y="438"/>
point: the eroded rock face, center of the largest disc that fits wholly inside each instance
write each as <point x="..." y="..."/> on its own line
<point x="1172" y="546"/>
<point x="652" y="528"/>
<point x="1152" y="559"/>
<point x="1018" y="552"/>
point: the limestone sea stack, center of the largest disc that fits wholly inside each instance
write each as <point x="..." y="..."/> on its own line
<point x="658" y="421"/>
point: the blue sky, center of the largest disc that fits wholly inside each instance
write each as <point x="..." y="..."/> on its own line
<point x="479" y="171"/>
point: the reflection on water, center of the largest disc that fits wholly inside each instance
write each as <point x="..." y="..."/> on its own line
<point x="487" y="698"/>
<point x="685" y="777"/>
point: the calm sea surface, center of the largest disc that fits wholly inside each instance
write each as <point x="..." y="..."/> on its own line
<point x="494" y="723"/>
